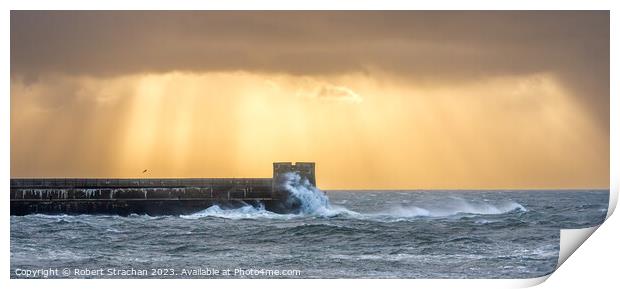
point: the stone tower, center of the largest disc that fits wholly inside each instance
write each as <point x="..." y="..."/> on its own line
<point x="304" y="169"/>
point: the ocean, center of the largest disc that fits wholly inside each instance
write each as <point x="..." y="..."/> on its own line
<point x="345" y="234"/>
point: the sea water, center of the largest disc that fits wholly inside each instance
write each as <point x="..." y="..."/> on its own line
<point x="340" y="234"/>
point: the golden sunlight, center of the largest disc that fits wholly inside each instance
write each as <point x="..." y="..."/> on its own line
<point x="363" y="130"/>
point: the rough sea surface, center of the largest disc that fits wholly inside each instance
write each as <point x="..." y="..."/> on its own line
<point x="354" y="234"/>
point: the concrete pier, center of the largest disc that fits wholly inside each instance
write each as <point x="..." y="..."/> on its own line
<point x="152" y="196"/>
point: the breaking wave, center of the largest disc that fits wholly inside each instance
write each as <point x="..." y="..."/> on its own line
<point x="454" y="206"/>
<point x="313" y="202"/>
<point x="244" y="212"/>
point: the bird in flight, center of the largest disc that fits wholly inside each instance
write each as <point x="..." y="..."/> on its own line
<point x="144" y="171"/>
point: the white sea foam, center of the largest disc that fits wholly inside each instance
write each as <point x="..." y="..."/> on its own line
<point x="311" y="200"/>
<point x="454" y="206"/>
<point x="314" y="203"/>
<point x="244" y="212"/>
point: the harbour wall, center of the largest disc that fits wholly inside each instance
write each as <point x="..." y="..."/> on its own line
<point x="170" y="196"/>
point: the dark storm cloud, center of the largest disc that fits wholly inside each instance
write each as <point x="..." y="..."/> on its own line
<point x="435" y="46"/>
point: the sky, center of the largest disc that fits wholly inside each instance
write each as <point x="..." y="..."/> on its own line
<point x="378" y="99"/>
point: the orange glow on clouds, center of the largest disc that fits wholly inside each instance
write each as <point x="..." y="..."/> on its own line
<point x="362" y="130"/>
